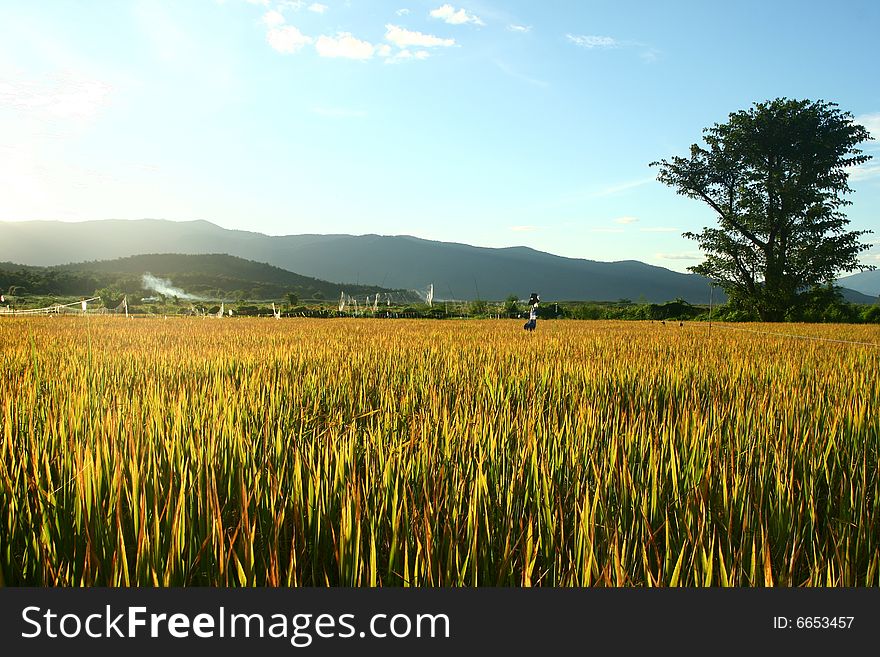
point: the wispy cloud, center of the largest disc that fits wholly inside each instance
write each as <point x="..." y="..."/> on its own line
<point x="66" y="96"/>
<point x="872" y="123"/>
<point x="519" y="76"/>
<point x="318" y="8"/>
<point x="344" y="45"/>
<point x="454" y="16"/>
<point x="683" y="255"/>
<point x="592" y="41"/>
<point x="404" y="38"/>
<point x="402" y="12"/>
<point x="621" y="187"/>
<point x="863" y="172"/>
<point x="648" y="53"/>
<point x="522" y="29"/>
<point x="626" y="220"/>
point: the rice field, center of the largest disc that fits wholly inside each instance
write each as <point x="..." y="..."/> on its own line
<point x="436" y="453"/>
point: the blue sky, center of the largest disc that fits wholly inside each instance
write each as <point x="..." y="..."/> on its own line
<point x="489" y="123"/>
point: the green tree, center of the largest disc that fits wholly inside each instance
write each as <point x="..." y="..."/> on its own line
<point x="111" y="296"/>
<point x="292" y="299"/>
<point x="511" y="306"/>
<point x="478" y="307"/>
<point x="775" y="175"/>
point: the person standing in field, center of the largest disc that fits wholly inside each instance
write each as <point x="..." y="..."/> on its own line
<point x="533" y="312"/>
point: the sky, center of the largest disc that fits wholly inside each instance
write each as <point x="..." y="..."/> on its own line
<point x="489" y="123"/>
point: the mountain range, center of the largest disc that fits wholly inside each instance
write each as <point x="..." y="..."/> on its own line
<point x="457" y="271"/>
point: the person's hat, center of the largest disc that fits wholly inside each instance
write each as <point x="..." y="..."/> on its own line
<point x="534" y="299"/>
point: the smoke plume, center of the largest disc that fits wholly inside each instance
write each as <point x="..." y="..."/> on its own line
<point x="164" y="287"/>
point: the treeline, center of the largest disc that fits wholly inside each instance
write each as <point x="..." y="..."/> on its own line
<point x="23" y="281"/>
<point x="205" y="276"/>
<point x="821" y="305"/>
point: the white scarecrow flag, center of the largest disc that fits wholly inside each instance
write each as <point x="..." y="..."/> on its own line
<point x="341" y="301"/>
<point x="84" y="304"/>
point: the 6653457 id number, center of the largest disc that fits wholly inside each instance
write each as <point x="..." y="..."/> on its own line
<point x="813" y="622"/>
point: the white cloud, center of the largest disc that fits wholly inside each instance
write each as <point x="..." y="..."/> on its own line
<point x="287" y="39"/>
<point x="626" y="220"/>
<point x="522" y="29"/>
<point x="454" y="16"/>
<point x="684" y="255"/>
<point x="295" y="5"/>
<point x="264" y="3"/>
<point x="273" y="18"/>
<point x="592" y="41"/>
<point x="383" y="50"/>
<point x="66" y="96"/>
<point x="402" y="12"/>
<point x="318" y="8"/>
<point x="422" y="54"/>
<point x="871" y="123"/>
<point x="344" y="45"/>
<point x="403" y="38"/>
<point x="522" y="229"/>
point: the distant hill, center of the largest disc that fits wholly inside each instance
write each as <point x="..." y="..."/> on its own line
<point x="207" y="276"/>
<point x="856" y="297"/>
<point x="866" y="282"/>
<point x="457" y="271"/>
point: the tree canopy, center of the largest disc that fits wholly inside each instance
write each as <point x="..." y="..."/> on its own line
<point x="775" y="175"/>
